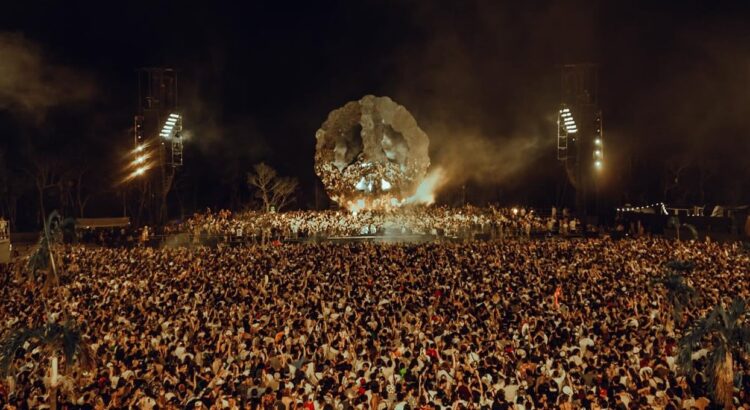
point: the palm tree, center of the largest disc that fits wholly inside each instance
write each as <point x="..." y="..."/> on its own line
<point x="679" y="293"/>
<point x="55" y="339"/>
<point x="729" y="335"/>
<point x="43" y="257"/>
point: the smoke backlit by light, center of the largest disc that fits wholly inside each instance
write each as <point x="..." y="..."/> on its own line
<point x="425" y="193"/>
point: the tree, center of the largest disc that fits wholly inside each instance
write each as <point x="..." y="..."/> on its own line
<point x="273" y="191"/>
<point x="56" y="340"/>
<point x="679" y="293"/>
<point x="283" y="192"/>
<point x="44" y="257"/>
<point x="262" y="182"/>
<point x="729" y="335"/>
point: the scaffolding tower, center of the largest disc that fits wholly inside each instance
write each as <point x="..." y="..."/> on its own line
<point x="158" y="130"/>
<point x="580" y="137"/>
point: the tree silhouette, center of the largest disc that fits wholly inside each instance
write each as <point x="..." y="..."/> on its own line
<point x="56" y="340"/>
<point x="679" y="293"/>
<point x="729" y="336"/>
<point x="274" y="191"/>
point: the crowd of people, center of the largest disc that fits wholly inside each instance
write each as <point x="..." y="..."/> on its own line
<point x="538" y="324"/>
<point x="437" y="221"/>
<point x="371" y="179"/>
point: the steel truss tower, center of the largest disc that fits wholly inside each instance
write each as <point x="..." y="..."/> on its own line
<point x="157" y="112"/>
<point x="580" y="142"/>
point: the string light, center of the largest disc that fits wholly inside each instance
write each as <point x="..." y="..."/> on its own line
<point x="639" y="208"/>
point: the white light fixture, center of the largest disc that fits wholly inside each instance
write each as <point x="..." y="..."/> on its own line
<point x="169" y="125"/>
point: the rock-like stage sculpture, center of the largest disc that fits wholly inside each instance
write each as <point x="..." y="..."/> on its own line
<point x="371" y="154"/>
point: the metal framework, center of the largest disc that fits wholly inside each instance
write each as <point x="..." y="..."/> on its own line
<point x="580" y="137"/>
<point x="158" y="126"/>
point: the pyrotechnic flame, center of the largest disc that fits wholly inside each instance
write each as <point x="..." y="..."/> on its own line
<point x="425" y="193"/>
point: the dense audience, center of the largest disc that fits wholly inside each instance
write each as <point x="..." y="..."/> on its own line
<point x="535" y="324"/>
<point x="439" y="221"/>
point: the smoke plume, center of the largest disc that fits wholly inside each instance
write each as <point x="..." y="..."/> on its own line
<point x="471" y="156"/>
<point x="31" y="84"/>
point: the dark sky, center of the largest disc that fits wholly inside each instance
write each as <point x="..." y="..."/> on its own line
<point x="258" y="78"/>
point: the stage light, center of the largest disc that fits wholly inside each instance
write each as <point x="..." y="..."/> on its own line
<point x="597" y="153"/>
<point x="598" y="141"/>
<point x="169" y="125"/>
<point x="139" y="160"/>
<point x="598" y="164"/>
<point x="138" y="148"/>
<point x="140" y="171"/>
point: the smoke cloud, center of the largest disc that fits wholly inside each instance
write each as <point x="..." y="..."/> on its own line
<point x="32" y="84"/>
<point x="489" y="119"/>
<point x="472" y="156"/>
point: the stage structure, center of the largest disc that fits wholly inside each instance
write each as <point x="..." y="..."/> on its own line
<point x="371" y="154"/>
<point x="580" y="136"/>
<point x="157" y="139"/>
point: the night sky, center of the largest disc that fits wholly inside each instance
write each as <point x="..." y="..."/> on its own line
<point x="258" y="78"/>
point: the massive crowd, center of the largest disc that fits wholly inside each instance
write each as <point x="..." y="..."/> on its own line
<point x="438" y="221"/>
<point x="535" y="324"/>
